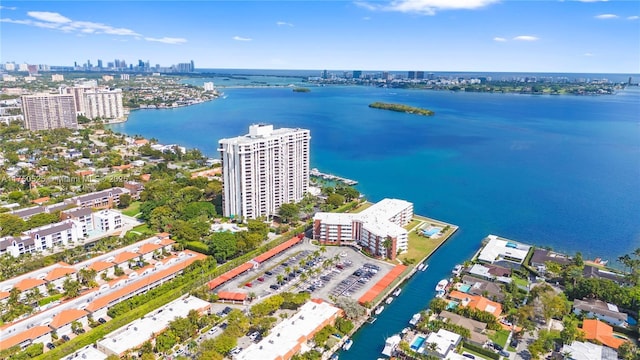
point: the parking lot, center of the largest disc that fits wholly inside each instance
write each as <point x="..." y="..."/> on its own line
<point x="337" y="271"/>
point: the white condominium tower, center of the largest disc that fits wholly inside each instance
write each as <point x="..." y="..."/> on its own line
<point x="95" y="102"/>
<point x="264" y="169"/>
<point x="49" y="111"/>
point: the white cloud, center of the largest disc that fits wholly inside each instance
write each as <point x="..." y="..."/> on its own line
<point x="606" y="16"/>
<point x="8" y="7"/>
<point x="634" y="17"/>
<point x="49" y="17"/>
<point x="427" y="7"/>
<point x="588" y="54"/>
<point x="526" y="38"/>
<point x="240" y="38"/>
<point x="167" y="40"/>
<point x="283" y="23"/>
<point x="499" y="39"/>
<point x="57" y="21"/>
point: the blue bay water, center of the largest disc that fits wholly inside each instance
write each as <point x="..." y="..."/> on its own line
<point x="558" y="171"/>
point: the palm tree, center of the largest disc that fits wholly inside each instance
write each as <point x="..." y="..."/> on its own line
<point x="323" y="249"/>
<point x="279" y="278"/>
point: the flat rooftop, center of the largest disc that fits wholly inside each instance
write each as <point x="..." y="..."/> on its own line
<point x="498" y="248"/>
<point x="137" y="332"/>
<point x="286" y="337"/>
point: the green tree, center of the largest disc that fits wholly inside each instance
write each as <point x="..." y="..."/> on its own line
<point x="628" y="351"/>
<point x="222" y="245"/>
<point x="335" y="200"/>
<point x="11" y="225"/>
<point x="125" y="201"/>
<point x="224" y="343"/>
<point x="571" y="332"/>
<point x="438" y="305"/>
<point x="289" y="212"/>
<point x="71" y="288"/>
<point x="166" y="341"/>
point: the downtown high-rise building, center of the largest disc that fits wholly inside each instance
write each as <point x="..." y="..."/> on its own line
<point x="49" y="111"/>
<point x="263" y="170"/>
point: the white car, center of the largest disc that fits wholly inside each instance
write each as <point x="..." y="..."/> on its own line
<point x="213" y="330"/>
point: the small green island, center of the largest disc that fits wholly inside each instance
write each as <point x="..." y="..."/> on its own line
<point x="401" y="108"/>
<point x="301" y="89"/>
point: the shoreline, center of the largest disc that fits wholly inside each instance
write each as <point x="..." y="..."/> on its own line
<point x="411" y="270"/>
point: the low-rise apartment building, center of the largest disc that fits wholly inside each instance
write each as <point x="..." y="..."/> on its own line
<point x="378" y="229"/>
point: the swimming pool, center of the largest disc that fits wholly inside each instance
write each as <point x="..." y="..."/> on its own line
<point x="417" y="343"/>
<point x="431" y="230"/>
<point x="464" y="288"/>
<point x="452" y="305"/>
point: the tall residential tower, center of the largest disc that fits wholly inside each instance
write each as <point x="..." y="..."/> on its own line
<point x="49" y="111"/>
<point x="264" y="169"/>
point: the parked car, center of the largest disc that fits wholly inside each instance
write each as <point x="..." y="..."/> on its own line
<point x="504" y="353"/>
<point x="261" y="279"/>
<point x="248" y="284"/>
<point x="50" y="346"/>
<point x="101" y="320"/>
<point x="467" y="355"/>
<point x="66" y="337"/>
<point x="275" y="287"/>
<point x="223" y="326"/>
<point x="226" y="310"/>
<point x="213" y="330"/>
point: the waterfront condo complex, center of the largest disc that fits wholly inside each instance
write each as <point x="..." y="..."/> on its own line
<point x="378" y="229"/>
<point x="263" y="170"/>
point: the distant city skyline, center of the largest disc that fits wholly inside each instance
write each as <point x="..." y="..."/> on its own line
<point x="587" y="36"/>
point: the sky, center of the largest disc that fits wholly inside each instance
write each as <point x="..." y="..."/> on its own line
<point x="587" y="36"/>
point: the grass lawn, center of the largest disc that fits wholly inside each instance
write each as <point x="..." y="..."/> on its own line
<point x="133" y="208"/>
<point x="519" y="281"/>
<point x="500" y="337"/>
<point x="420" y="246"/>
<point x="413" y="223"/>
<point x="143" y="229"/>
<point x="477" y="355"/>
<point x="361" y="208"/>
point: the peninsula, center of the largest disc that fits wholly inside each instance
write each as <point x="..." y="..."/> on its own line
<point x="401" y="108"/>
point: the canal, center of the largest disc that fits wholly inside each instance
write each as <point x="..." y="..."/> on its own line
<point x="416" y="294"/>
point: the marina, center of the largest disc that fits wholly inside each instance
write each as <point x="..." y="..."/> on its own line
<point x="316" y="173"/>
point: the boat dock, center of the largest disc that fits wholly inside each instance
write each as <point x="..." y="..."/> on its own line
<point x="315" y="172"/>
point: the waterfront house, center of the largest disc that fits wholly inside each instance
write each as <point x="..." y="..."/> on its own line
<point x="446" y="342"/>
<point x="598" y="273"/>
<point x="588" y="351"/>
<point x="476" y="328"/>
<point x="597" y="330"/>
<point x="599" y="309"/>
<point x="503" y="252"/>
<point x="482" y="287"/>
<point x="477" y="302"/>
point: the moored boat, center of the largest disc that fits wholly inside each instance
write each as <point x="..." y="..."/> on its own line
<point x="389" y="300"/>
<point x="397" y="292"/>
<point x="441" y="288"/>
<point x="347" y="344"/>
<point x="457" y="270"/>
<point x="379" y="309"/>
<point x="425" y="267"/>
<point x="414" y="320"/>
<point x="390" y="345"/>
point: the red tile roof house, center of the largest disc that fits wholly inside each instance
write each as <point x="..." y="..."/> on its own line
<point x="37" y="334"/>
<point x="62" y="321"/>
<point x="58" y="276"/>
